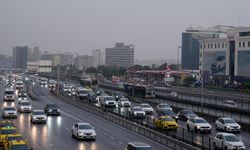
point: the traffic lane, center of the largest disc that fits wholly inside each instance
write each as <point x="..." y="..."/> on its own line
<point x="48" y="136"/>
<point x="105" y="126"/>
<point x="244" y="136"/>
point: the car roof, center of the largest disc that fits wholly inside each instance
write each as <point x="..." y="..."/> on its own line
<point x="139" y="144"/>
<point x="83" y="123"/>
<point x="144" y="104"/>
<point x="18" y="142"/>
<point x="224" y="133"/>
<point x="37" y="110"/>
<point x="226" y="118"/>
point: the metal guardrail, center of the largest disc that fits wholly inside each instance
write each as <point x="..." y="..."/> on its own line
<point x="138" y="127"/>
<point x="181" y="102"/>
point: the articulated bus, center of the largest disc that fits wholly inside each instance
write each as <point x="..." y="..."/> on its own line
<point x="143" y="91"/>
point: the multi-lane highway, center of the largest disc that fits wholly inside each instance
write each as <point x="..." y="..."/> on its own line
<point x="56" y="134"/>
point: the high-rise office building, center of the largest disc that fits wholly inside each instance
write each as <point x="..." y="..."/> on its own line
<point x="97" y="57"/>
<point x="67" y="59"/>
<point x="121" y="55"/>
<point x="83" y="62"/>
<point x="191" y="45"/>
<point x="33" y="54"/>
<point x="20" y="55"/>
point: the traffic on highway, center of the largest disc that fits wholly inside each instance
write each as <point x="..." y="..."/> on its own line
<point x="49" y="123"/>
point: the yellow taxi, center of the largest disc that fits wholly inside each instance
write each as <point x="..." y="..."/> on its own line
<point x="18" y="144"/>
<point x="11" y="137"/>
<point x="5" y="131"/>
<point x="6" y="123"/>
<point x="166" y="122"/>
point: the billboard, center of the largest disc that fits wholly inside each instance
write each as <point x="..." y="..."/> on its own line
<point x="244" y="63"/>
<point x="215" y="62"/>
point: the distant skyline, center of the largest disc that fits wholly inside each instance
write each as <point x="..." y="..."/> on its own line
<point x="154" y="27"/>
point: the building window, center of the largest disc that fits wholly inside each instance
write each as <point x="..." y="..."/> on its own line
<point x="239" y="44"/>
<point x="208" y="46"/>
<point x="243" y="44"/>
<point x="215" y="45"/>
<point x="248" y="44"/>
<point x="225" y="45"/>
<point x="201" y="45"/>
<point x="218" y="45"/>
<point x="222" y="45"/>
<point x="204" y="46"/>
<point x="211" y="45"/>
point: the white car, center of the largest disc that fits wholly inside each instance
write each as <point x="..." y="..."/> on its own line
<point x="38" y="116"/>
<point x="230" y="104"/>
<point x="24" y="106"/>
<point x="227" y="141"/>
<point x="124" y="102"/>
<point x="83" y="131"/>
<point x="162" y="106"/>
<point x="108" y="101"/>
<point x="147" y="108"/>
<point x="227" y="124"/>
<point x="9" y="112"/>
<point x="198" y="124"/>
<point x="136" y="112"/>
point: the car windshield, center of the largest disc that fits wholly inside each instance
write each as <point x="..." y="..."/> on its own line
<point x="137" y="109"/>
<point x="10" y="109"/>
<point x="146" y="106"/>
<point x="167" y="113"/>
<point x="124" y="99"/>
<point x="11" y="131"/>
<point x="229" y="121"/>
<point x="19" y="147"/>
<point x="83" y="92"/>
<point x="52" y="105"/>
<point x="119" y="94"/>
<point x="110" y="98"/>
<point x="11" y="138"/>
<point x="164" y="106"/>
<point x="189" y="112"/>
<point x="85" y="126"/>
<point x="25" y="103"/>
<point x="167" y="119"/>
<point x="232" y="138"/>
<point x="143" y="148"/>
<point x="39" y="113"/>
<point x="200" y="121"/>
<point x="9" y="92"/>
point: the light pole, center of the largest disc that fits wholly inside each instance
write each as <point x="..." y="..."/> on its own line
<point x="58" y="74"/>
<point x="202" y="79"/>
<point x="177" y="64"/>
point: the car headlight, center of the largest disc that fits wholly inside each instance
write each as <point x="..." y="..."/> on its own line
<point x="58" y="110"/>
<point x="94" y="133"/>
<point x="198" y="127"/>
<point x="50" y="110"/>
<point x="228" y="127"/>
<point x="34" y="117"/>
<point x="21" y="107"/>
<point x="239" y="127"/>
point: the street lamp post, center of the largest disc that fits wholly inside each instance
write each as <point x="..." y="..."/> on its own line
<point x="202" y="79"/>
<point x="177" y="64"/>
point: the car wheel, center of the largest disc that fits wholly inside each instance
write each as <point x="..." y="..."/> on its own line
<point x="216" y="127"/>
<point x="195" y="129"/>
<point x="73" y="135"/>
<point x="215" y="147"/>
<point x="94" y="139"/>
<point x="188" y="128"/>
<point x="226" y="148"/>
<point x="225" y="129"/>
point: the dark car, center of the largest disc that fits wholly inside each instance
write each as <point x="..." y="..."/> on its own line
<point x="99" y="91"/>
<point x="167" y="112"/>
<point x="118" y="95"/>
<point x="22" y="93"/>
<point x="184" y="115"/>
<point x="92" y="98"/>
<point x="52" y="109"/>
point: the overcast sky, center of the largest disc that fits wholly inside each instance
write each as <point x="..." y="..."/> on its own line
<point x="153" y="26"/>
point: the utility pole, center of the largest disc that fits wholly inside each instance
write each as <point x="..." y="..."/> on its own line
<point x="58" y="72"/>
<point x="202" y="83"/>
<point x="177" y="65"/>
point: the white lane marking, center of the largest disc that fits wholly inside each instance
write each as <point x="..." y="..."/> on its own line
<point x="69" y="115"/>
<point x="120" y="142"/>
<point x="66" y="128"/>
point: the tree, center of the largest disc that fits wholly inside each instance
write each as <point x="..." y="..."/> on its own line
<point x="189" y="80"/>
<point x="163" y="66"/>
